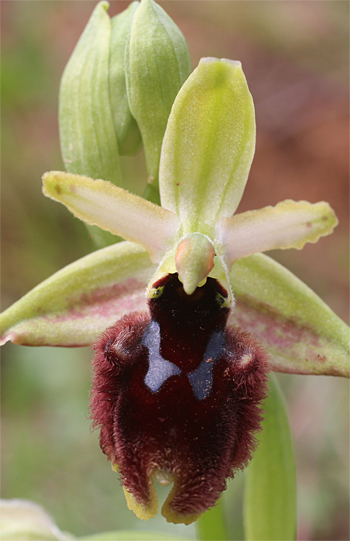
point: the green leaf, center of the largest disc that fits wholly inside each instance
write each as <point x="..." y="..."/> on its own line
<point x="300" y="332"/>
<point x="74" y="306"/>
<point x="88" y="140"/>
<point x="289" y="224"/>
<point x="157" y="64"/>
<point x="133" y="535"/>
<point x="270" y="479"/>
<point x="98" y="202"/>
<point x="208" y="146"/>
<point x="211" y="526"/>
<point x="126" y="128"/>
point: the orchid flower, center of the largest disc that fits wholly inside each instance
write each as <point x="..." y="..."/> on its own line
<point x="207" y="151"/>
<point x="199" y="269"/>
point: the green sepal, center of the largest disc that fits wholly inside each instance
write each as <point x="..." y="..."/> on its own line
<point x="75" y="305"/>
<point x="270" y="480"/>
<point x="299" y="331"/>
<point x="208" y="146"/>
<point x="157" y="64"/>
<point x="88" y="140"/>
<point x="126" y="128"/>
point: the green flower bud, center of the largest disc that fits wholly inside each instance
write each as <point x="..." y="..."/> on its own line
<point x="126" y="128"/>
<point x="157" y="64"/>
<point x="88" y="140"/>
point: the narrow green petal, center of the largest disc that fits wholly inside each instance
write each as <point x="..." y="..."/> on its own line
<point x="73" y="307"/>
<point x="300" y="332"/>
<point x="88" y="140"/>
<point x="98" y="202"/>
<point x="289" y="224"/>
<point x="208" y="146"/>
<point x="270" y="512"/>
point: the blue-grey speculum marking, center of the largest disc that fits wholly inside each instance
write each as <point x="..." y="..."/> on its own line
<point x="160" y="370"/>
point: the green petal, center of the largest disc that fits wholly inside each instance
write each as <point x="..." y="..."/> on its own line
<point x="301" y="333"/>
<point x="88" y="140"/>
<point x="270" y="481"/>
<point x="126" y="128"/>
<point x="73" y="307"/>
<point x="98" y="202"/>
<point x="289" y="224"/>
<point x="157" y="64"/>
<point x="208" y="146"/>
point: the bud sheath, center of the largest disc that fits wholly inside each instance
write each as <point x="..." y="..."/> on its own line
<point x="157" y="64"/>
<point x="88" y="140"/>
<point x="126" y="128"/>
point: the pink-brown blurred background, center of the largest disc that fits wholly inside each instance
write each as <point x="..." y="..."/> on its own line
<point x="295" y="57"/>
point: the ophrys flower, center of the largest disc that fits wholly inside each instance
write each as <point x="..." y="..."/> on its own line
<point x="187" y="255"/>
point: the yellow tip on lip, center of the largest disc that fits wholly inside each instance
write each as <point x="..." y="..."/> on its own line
<point x="143" y="512"/>
<point x="172" y="516"/>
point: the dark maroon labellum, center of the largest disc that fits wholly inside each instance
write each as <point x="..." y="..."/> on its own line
<point x="176" y="394"/>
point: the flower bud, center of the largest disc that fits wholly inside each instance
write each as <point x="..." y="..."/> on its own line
<point x="88" y="140"/>
<point x="157" y="64"/>
<point x="126" y="128"/>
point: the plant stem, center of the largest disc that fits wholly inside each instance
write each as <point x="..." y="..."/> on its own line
<point x="211" y="526"/>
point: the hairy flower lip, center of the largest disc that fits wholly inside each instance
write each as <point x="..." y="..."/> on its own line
<point x="201" y="441"/>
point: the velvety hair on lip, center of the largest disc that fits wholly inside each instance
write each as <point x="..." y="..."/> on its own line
<point x="176" y="394"/>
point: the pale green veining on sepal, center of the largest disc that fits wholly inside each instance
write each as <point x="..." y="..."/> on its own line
<point x="126" y="128"/>
<point x="300" y="332"/>
<point x="270" y="494"/>
<point x="157" y="64"/>
<point x="88" y="140"/>
<point x="76" y="304"/>
<point x="208" y="146"/>
<point x="289" y="224"/>
<point x="113" y="209"/>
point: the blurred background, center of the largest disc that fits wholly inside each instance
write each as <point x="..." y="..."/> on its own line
<point x="295" y="57"/>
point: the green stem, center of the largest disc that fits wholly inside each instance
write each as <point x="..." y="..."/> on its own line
<point x="270" y="510"/>
<point x="211" y="526"/>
